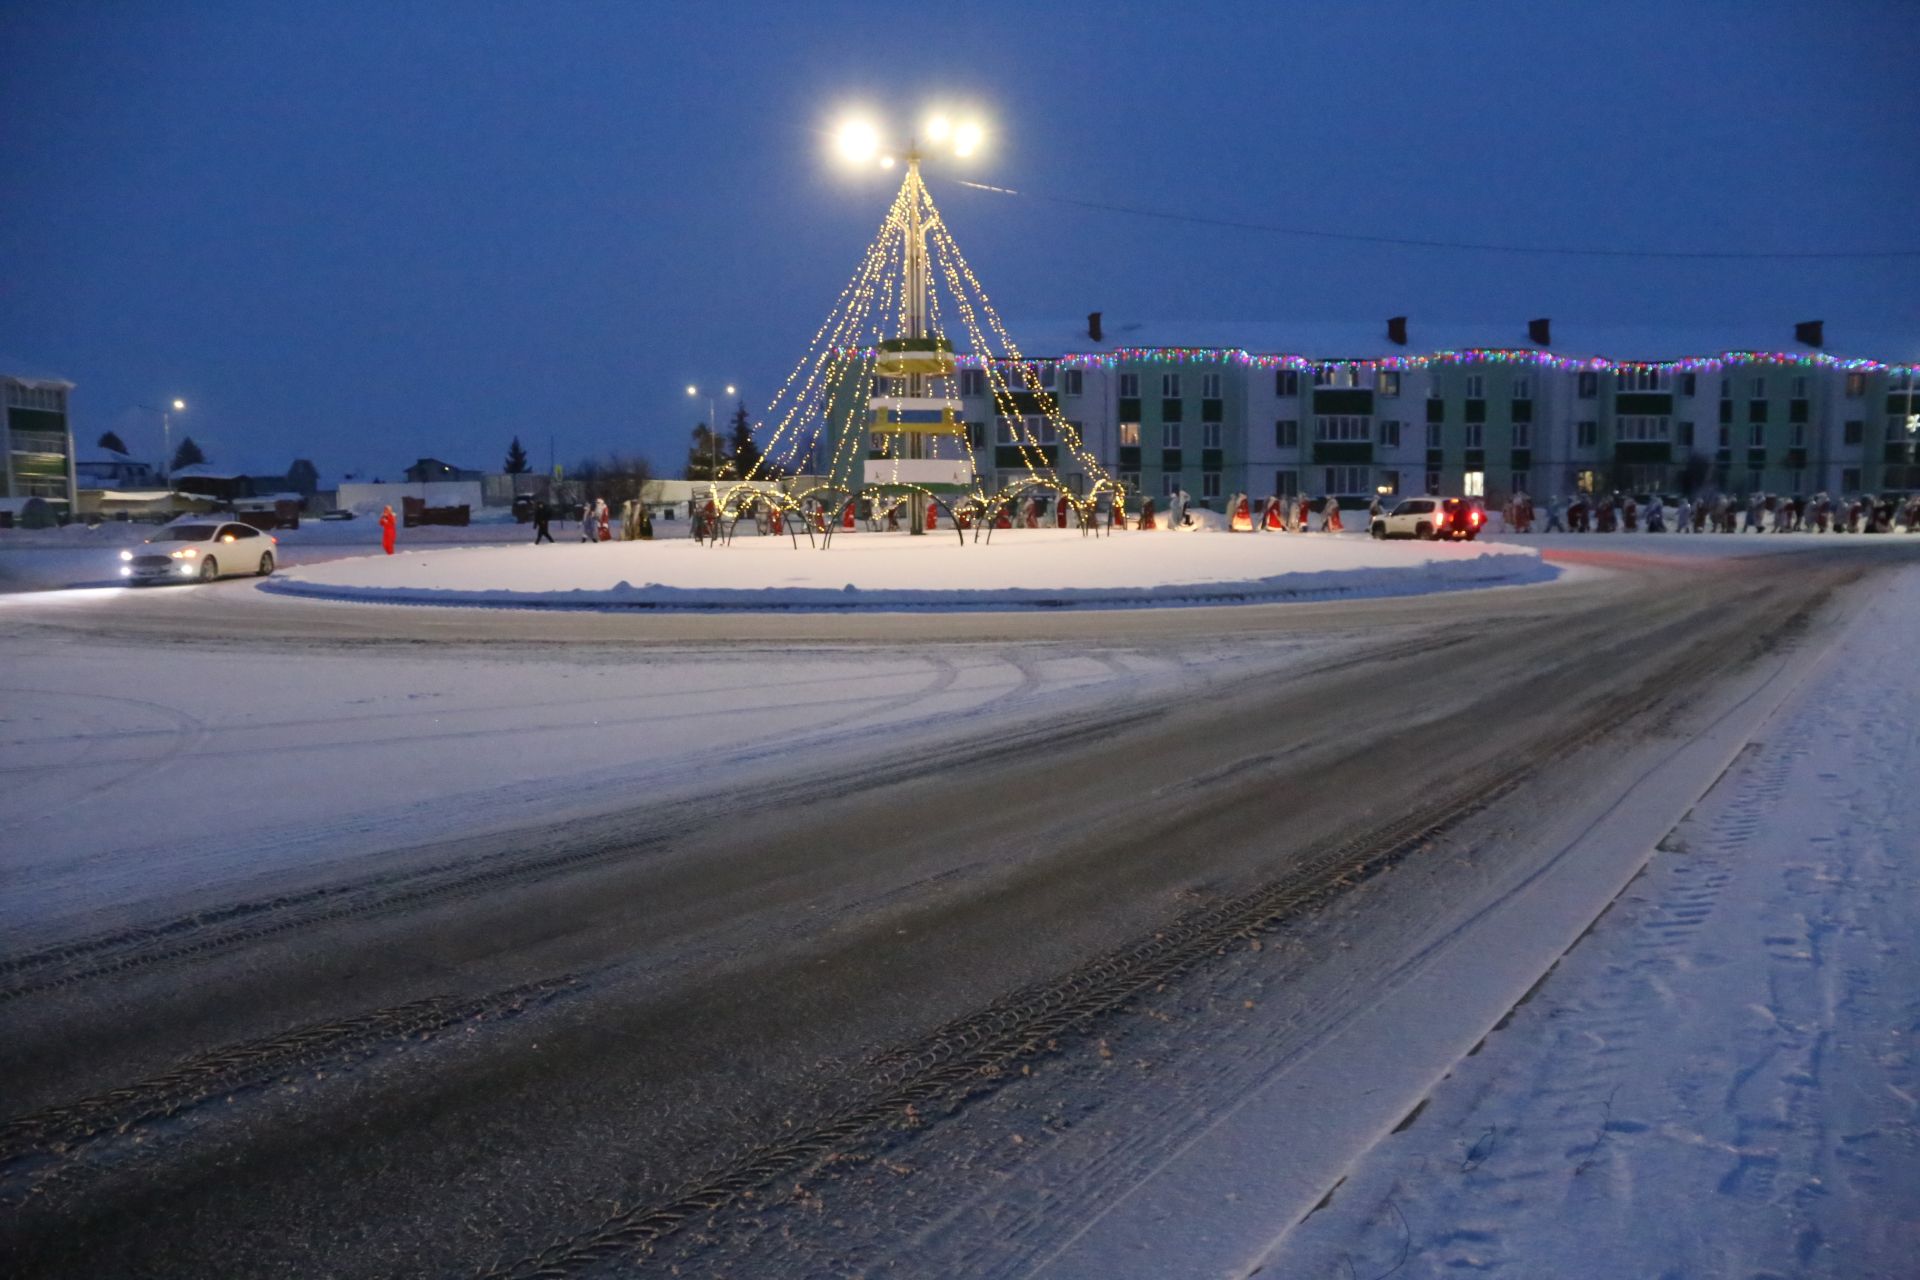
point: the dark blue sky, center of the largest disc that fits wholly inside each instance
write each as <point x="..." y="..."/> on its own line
<point x="364" y="232"/>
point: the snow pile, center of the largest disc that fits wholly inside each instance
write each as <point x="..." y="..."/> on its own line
<point x="1019" y="569"/>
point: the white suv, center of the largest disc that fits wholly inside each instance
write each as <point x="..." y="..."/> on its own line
<point x="1430" y="517"/>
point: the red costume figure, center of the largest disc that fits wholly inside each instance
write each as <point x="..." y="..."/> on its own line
<point x="386" y="529"/>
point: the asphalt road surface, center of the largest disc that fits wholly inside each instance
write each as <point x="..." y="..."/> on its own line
<point x="599" y="1043"/>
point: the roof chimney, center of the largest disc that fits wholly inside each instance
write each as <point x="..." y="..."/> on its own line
<point x="1810" y="333"/>
<point x="1397" y="330"/>
<point x="1093" y="325"/>
<point x="1540" y="332"/>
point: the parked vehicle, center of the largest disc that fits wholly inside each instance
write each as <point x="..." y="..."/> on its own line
<point x="202" y="550"/>
<point x="1431" y="517"/>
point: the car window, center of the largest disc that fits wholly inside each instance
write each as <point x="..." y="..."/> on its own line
<point x="243" y="531"/>
<point x="184" y="533"/>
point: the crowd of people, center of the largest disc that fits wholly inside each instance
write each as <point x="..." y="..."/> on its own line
<point x="1716" y="513"/>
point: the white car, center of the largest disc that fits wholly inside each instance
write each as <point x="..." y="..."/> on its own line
<point x="203" y="549"/>
<point x="1430" y="517"/>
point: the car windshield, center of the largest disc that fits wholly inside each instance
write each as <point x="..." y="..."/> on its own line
<point x="184" y="533"/>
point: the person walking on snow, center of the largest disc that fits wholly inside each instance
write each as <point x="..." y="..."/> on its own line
<point x="1330" y="515"/>
<point x="1683" y="516"/>
<point x="386" y="529"/>
<point x="1555" y="510"/>
<point x="586" y="521"/>
<point x="541" y="517"/>
<point x="605" y="518"/>
<point x="1656" y="515"/>
<point x="1303" y="512"/>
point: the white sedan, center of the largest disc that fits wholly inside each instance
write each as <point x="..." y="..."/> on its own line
<point x="200" y="549"/>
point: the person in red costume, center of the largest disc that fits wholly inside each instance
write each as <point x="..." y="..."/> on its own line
<point x="386" y="529"/>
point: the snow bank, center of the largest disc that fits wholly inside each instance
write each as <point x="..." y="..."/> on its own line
<point x="1019" y="569"/>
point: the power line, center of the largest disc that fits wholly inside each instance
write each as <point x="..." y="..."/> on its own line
<point x="1412" y="243"/>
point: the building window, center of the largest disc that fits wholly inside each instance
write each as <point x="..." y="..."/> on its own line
<point x="1588" y="385"/>
<point x="1640" y="378"/>
<point x="1209" y="484"/>
<point x="973" y="382"/>
<point x="1755" y="478"/>
<point x="1209" y="435"/>
<point x="1856" y="385"/>
<point x="1342" y="428"/>
<point x="1684" y="434"/>
<point x="977" y="434"/>
<point x="1389" y="483"/>
<point x="1345" y="480"/>
<point x="1759" y="388"/>
<point x="1129" y="386"/>
<point x="1850" y="480"/>
<point x="1896" y="425"/>
<point x="1170" y="483"/>
<point x="1286" y="484"/>
<point x="1169" y="435"/>
<point x="1725" y="438"/>
<point x="1476" y="386"/>
<point x="1585" y="481"/>
<point x="1757" y="435"/>
<point x="1433" y="482"/>
<point x="1042" y="429"/>
<point x="1390" y="433"/>
<point x="1169" y="386"/>
<point x="1389" y="382"/>
<point x="1476" y="435"/>
<point x="1286" y="434"/>
<point x="1474" y="484"/>
<point x="1855" y="431"/>
<point x="1586" y="435"/>
<point x="1130" y="435"/>
<point x="1074" y="382"/>
<point x="1688" y="384"/>
<point x="1523" y="435"/>
<point x="1520" y="482"/>
<point x="1006" y="431"/>
<point x="1130" y="481"/>
<point x="1641" y="429"/>
<point x="1800" y="386"/>
<point x="1523" y="387"/>
<point x="1797" y="437"/>
<point x="1286" y="382"/>
<point x="1433" y="435"/>
<point x="1210" y="386"/>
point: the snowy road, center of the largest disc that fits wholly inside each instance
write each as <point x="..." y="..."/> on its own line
<point x="442" y="973"/>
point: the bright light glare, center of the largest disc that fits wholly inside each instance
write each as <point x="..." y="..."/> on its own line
<point x="966" y="139"/>
<point x="179" y="405"/>
<point x="886" y="162"/>
<point x="938" y="128"/>
<point x="730" y="391"/>
<point x="858" y="140"/>
<point x="693" y="391"/>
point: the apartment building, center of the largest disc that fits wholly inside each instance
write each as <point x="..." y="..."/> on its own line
<point x="1356" y="410"/>
<point x="40" y="461"/>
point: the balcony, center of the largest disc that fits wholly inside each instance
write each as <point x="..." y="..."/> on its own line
<point x="41" y="442"/>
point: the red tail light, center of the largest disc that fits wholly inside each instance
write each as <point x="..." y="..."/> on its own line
<point x="1476" y="517"/>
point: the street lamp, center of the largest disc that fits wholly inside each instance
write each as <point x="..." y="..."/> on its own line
<point x="859" y="144"/>
<point x="166" y="434"/>
<point x="713" y="434"/>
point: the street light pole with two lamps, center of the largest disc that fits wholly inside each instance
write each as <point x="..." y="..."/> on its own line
<point x="713" y="435"/>
<point x="859" y="142"/>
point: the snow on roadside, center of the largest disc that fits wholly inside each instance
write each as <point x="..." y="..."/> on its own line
<point x="1022" y="568"/>
<point x="1721" y="1079"/>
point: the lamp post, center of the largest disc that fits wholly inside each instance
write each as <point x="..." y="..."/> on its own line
<point x="713" y="435"/>
<point x="166" y="413"/>
<point x="859" y="143"/>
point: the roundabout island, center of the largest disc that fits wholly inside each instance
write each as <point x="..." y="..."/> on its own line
<point x="1023" y="570"/>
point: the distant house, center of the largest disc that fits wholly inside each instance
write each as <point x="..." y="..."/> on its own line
<point x="229" y="486"/>
<point x="433" y="470"/>
<point x="115" y="472"/>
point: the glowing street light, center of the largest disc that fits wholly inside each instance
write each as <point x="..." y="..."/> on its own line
<point x="713" y="433"/>
<point x="859" y="141"/>
<point x="166" y="433"/>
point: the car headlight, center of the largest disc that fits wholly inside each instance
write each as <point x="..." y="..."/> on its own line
<point x="186" y="553"/>
<point x="187" y="569"/>
<point x="126" y="555"/>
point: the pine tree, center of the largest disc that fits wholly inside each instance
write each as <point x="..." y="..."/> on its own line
<point x="113" y="443"/>
<point x="187" y="455"/>
<point x="745" y="453"/>
<point x="701" y="454"/>
<point x="516" y="458"/>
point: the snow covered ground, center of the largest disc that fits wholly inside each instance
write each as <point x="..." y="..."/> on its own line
<point x="1044" y="568"/>
<point x="1721" y="1079"/>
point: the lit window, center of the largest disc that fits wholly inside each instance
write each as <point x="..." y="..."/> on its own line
<point x="1130" y="434"/>
<point x="1474" y="484"/>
